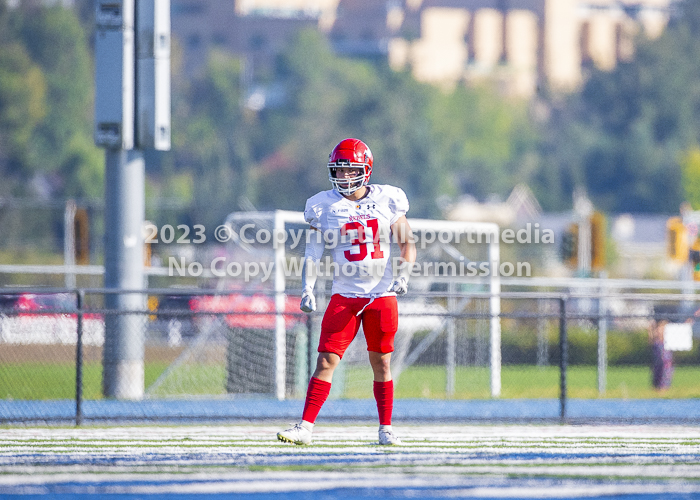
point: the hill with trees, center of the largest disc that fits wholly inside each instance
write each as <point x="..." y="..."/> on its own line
<point x="631" y="136"/>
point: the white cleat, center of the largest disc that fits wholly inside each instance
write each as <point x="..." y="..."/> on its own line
<point x="387" y="437"/>
<point x="297" y="434"/>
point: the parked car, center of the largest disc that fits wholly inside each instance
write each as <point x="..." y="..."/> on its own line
<point x="251" y="311"/>
<point x="46" y="318"/>
<point x="180" y="317"/>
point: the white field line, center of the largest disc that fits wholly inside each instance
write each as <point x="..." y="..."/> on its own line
<point x="431" y="432"/>
<point x="450" y="461"/>
<point x="656" y="452"/>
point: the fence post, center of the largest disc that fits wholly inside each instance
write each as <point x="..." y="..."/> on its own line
<point x="542" y="341"/>
<point x="450" y="355"/>
<point x="563" y="357"/>
<point x="80" y="296"/>
<point x="602" y="341"/>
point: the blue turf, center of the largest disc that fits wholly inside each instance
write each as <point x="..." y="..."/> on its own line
<point x="106" y="491"/>
<point x="406" y="410"/>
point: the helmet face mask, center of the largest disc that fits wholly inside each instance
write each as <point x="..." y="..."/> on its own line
<point x="350" y="154"/>
<point x="349" y="179"/>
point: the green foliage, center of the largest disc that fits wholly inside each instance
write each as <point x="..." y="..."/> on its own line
<point x="56" y="40"/>
<point x="622" y="136"/>
<point x="47" y="51"/>
<point x="485" y="138"/>
<point x="426" y="141"/>
<point x="328" y="99"/>
<point x="628" y="136"/>
<point x="690" y="167"/>
<point x="519" y="346"/>
<point x="22" y="101"/>
<point x="211" y="138"/>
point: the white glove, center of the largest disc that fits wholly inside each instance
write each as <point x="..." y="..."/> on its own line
<point x="308" y="302"/>
<point x="399" y="286"/>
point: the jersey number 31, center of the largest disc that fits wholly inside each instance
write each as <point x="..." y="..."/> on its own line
<point x="361" y="239"/>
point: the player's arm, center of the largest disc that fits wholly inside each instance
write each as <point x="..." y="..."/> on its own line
<point x="309" y="272"/>
<point x="403" y="236"/>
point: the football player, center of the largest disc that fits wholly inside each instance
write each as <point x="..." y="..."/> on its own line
<point x="362" y="220"/>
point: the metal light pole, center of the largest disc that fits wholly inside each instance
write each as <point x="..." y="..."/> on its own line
<point x="132" y="113"/>
<point x="123" y="369"/>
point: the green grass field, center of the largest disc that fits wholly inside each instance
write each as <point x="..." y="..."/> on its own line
<point x="57" y="380"/>
<point x="526" y="382"/>
<point x="44" y="381"/>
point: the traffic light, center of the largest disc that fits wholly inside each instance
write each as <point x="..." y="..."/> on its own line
<point x="677" y="240"/>
<point x="597" y="241"/>
<point x="152" y="304"/>
<point x="569" y="246"/>
<point x="81" y="225"/>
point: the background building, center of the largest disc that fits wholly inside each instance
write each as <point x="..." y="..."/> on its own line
<point x="521" y="44"/>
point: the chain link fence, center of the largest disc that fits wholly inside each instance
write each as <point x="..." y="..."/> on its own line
<point x="206" y="355"/>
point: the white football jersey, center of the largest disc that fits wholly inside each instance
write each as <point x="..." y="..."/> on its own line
<point x="358" y="233"/>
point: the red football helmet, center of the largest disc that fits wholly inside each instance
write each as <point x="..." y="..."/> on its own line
<point x="350" y="153"/>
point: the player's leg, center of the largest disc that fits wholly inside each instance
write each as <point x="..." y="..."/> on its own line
<point x="381" y="366"/>
<point x="383" y="385"/>
<point x="380" y="322"/>
<point x="319" y="386"/>
<point x="316" y="395"/>
<point x="338" y="328"/>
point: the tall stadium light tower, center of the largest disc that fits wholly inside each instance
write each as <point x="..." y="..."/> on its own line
<point x="132" y="113"/>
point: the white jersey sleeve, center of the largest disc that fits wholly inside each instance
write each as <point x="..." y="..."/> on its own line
<point x="398" y="204"/>
<point x="314" y="210"/>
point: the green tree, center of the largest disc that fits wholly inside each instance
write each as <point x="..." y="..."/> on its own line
<point x="623" y="135"/>
<point x="22" y="104"/>
<point x="326" y="101"/>
<point x="402" y="139"/>
<point x="428" y="142"/>
<point x="211" y="139"/>
<point x="62" y="143"/>
<point x="484" y="138"/>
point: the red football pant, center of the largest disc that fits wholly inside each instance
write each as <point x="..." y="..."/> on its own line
<point x="380" y="320"/>
<point x="316" y="395"/>
<point x="384" y="394"/>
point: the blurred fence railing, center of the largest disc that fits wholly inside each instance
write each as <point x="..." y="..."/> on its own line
<point x="208" y="355"/>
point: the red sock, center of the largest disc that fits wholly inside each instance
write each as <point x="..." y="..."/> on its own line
<point x="316" y="395"/>
<point x="384" y="394"/>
